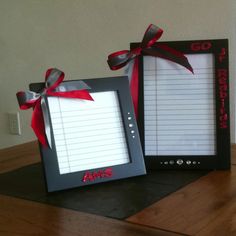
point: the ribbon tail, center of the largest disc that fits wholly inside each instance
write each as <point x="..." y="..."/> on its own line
<point x="165" y="52"/>
<point x="80" y="94"/>
<point x="84" y="94"/>
<point x="128" y="70"/>
<point x="37" y="123"/>
<point x="134" y="86"/>
<point x="46" y="121"/>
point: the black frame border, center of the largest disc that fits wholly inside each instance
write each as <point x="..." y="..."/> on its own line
<point x="219" y="48"/>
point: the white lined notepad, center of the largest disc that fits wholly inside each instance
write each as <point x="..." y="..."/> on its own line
<point x="179" y="107"/>
<point x="88" y="134"/>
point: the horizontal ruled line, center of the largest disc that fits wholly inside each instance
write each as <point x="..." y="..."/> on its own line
<point x="88" y="158"/>
<point x="93" y="147"/>
<point x="89" y="135"/>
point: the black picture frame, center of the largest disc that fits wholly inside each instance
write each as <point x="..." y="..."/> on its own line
<point x="221" y="158"/>
<point x="56" y="181"/>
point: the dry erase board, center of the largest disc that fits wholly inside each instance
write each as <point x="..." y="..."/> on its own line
<point x="183" y="117"/>
<point x="92" y="141"/>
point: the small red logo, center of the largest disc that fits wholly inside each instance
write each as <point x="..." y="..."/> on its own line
<point x="91" y="176"/>
<point x="201" y="46"/>
<point x="222" y="54"/>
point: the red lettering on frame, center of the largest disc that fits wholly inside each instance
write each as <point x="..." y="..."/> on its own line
<point x="92" y="176"/>
<point x="222" y="54"/>
<point x="223" y="121"/>
<point x="201" y="46"/>
<point x="222" y="75"/>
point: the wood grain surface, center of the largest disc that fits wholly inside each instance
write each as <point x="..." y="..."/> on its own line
<point x="21" y="217"/>
<point x="18" y="156"/>
<point x="204" y="207"/>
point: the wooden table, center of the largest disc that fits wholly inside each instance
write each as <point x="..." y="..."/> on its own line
<point x="204" y="207"/>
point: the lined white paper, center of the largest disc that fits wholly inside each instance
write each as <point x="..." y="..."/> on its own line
<point x="88" y="134"/>
<point x="179" y="107"/>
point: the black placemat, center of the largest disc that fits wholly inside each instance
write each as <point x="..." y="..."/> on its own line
<point x="117" y="199"/>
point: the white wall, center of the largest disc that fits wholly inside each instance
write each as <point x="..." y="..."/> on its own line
<point x="77" y="35"/>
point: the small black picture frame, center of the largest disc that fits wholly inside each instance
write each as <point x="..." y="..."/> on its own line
<point x="92" y="141"/>
<point x="184" y="118"/>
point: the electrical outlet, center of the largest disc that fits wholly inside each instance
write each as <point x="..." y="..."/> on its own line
<point x="14" y="123"/>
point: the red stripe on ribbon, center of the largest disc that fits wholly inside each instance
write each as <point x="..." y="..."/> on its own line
<point x="31" y="99"/>
<point x="119" y="59"/>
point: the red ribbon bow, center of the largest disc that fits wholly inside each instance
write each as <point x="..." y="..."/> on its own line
<point x="30" y="99"/>
<point x="119" y="59"/>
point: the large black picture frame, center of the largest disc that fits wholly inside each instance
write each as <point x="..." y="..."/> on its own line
<point x="218" y="48"/>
